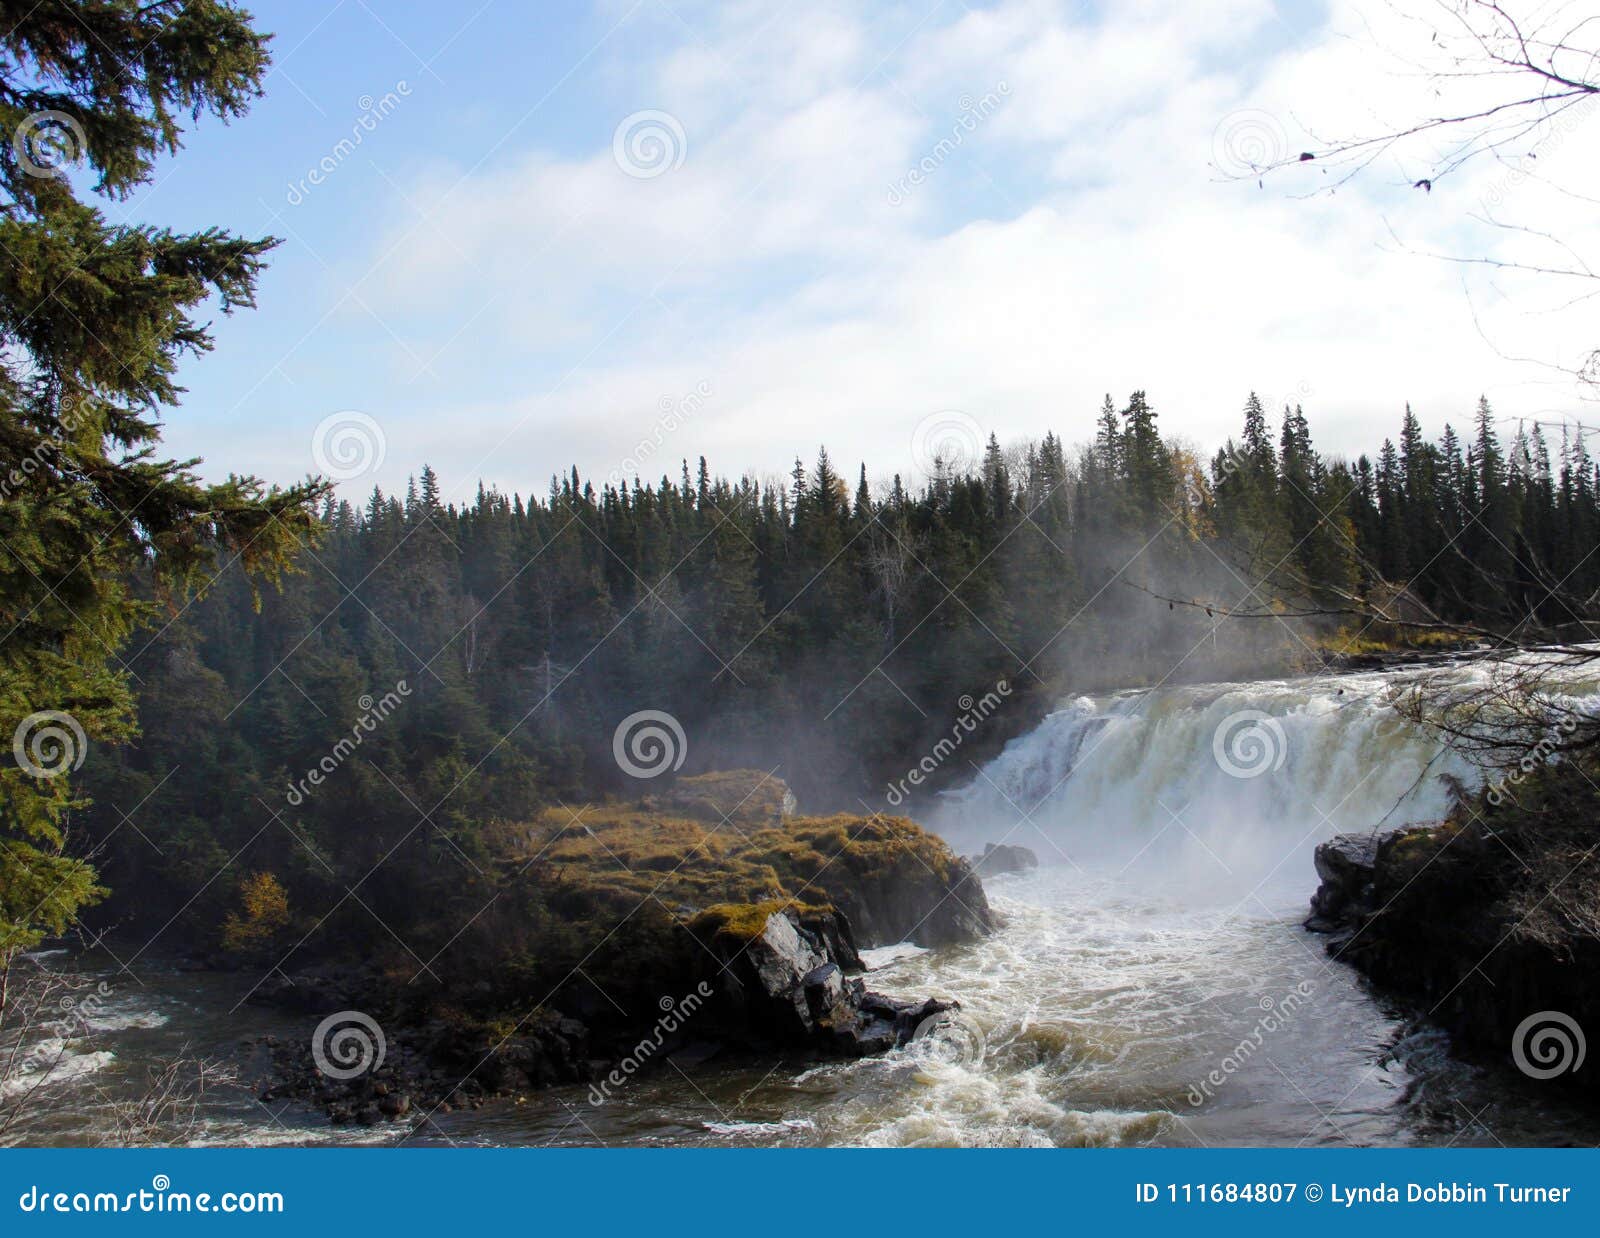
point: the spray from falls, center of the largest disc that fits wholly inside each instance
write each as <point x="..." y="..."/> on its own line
<point x="1225" y="790"/>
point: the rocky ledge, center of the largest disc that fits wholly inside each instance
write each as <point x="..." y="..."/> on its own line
<point x="1346" y="897"/>
<point x="1001" y="858"/>
<point x="1451" y="919"/>
<point x="411" y="1073"/>
<point x="639" y="937"/>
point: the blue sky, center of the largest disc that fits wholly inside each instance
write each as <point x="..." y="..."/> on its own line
<point x="870" y="219"/>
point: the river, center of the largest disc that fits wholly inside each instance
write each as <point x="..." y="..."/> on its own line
<point x="1151" y="983"/>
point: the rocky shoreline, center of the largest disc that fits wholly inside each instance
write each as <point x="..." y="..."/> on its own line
<point x="1431" y="915"/>
<point x="1412" y="659"/>
<point x="795" y="987"/>
<point x="770" y="977"/>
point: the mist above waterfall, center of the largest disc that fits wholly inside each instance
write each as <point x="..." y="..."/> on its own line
<point x="1223" y="790"/>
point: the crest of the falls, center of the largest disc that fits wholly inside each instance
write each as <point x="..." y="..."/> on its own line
<point x="1224" y="788"/>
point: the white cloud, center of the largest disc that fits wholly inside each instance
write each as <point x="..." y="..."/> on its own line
<point x="1079" y="242"/>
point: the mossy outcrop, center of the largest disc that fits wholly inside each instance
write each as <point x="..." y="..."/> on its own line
<point x="893" y="879"/>
<point x="609" y="914"/>
<point x="742" y="797"/>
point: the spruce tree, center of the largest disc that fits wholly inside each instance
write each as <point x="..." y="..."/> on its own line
<point x="1257" y="443"/>
<point x="96" y="317"/>
<point x="1489" y="532"/>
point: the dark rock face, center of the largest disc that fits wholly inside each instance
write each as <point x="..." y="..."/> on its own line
<point x="999" y="858"/>
<point x="540" y="1058"/>
<point x="1462" y="651"/>
<point x="1422" y="913"/>
<point x="932" y="906"/>
<point x="787" y="986"/>
<point x="315" y="990"/>
<point x="1346" y="866"/>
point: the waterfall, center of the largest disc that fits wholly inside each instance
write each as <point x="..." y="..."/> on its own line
<point x="1225" y="788"/>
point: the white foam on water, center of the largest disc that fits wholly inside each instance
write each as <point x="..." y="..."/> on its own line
<point x="143" y="1020"/>
<point x="57" y="1065"/>
<point x="884" y="956"/>
<point x="758" y="1129"/>
<point x="1175" y="829"/>
<point x="233" y="1131"/>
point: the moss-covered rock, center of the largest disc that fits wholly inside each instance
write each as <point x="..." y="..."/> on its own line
<point x="606" y="915"/>
<point x="747" y="798"/>
<point x="743" y="922"/>
<point x="891" y="878"/>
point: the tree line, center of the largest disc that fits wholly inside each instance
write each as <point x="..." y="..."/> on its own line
<point x="821" y="628"/>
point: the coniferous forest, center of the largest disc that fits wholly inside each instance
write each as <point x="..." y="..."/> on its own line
<point x="819" y="629"/>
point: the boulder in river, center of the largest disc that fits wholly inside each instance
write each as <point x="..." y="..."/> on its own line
<point x="783" y="976"/>
<point x="692" y="938"/>
<point x="1000" y="858"/>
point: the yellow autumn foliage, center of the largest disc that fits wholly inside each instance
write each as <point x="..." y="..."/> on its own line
<point x="263" y="913"/>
